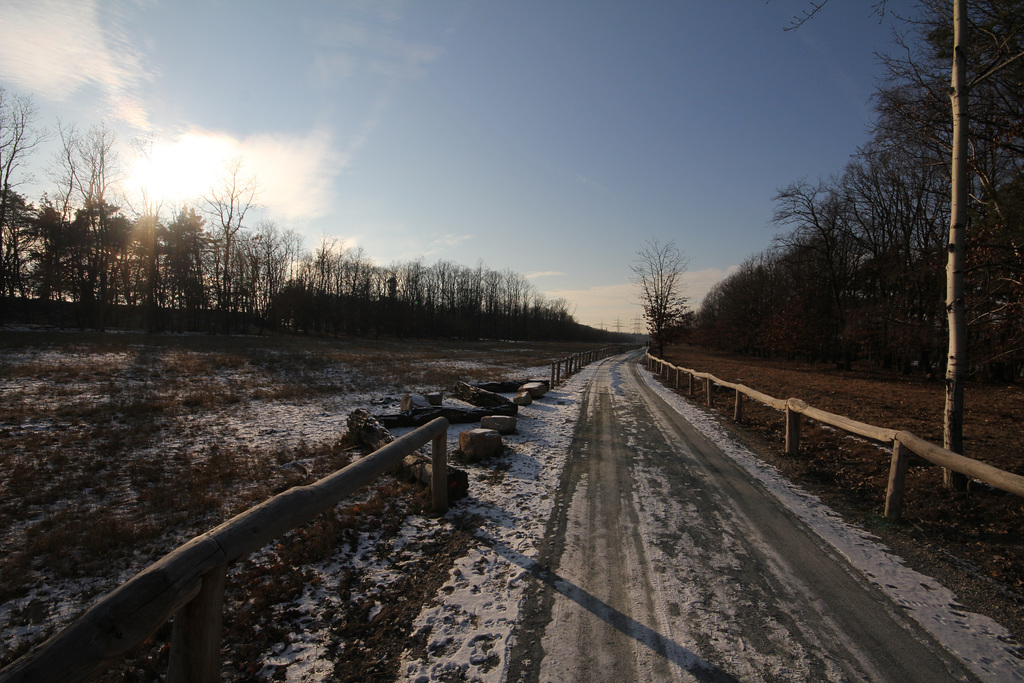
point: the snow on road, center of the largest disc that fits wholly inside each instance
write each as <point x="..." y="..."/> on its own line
<point x="985" y="646"/>
<point x="471" y="624"/>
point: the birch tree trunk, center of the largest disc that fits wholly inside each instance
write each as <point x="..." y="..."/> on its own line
<point x="956" y="364"/>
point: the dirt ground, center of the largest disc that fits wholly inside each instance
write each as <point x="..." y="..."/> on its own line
<point x="973" y="543"/>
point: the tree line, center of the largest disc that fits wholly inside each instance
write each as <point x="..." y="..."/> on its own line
<point x="86" y="256"/>
<point x="857" y="269"/>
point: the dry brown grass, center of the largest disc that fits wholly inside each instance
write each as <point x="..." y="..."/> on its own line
<point x="86" y="487"/>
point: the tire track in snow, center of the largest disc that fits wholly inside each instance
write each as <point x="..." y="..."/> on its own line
<point x="666" y="561"/>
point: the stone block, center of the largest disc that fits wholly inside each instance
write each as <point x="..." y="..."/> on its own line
<point x="481" y="443"/>
<point x="503" y="424"/>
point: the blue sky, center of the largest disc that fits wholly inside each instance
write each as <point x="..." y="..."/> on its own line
<point x="549" y="137"/>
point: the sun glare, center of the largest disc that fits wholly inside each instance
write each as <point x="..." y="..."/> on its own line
<point x="180" y="172"/>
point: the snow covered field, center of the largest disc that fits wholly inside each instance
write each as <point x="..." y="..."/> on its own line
<point x="463" y="629"/>
<point x="243" y="411"/>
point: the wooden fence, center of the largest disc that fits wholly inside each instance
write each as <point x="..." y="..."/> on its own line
<point x="567" y="367"/>
<point x="901" y="441"/>
<point x="188" y="583"/>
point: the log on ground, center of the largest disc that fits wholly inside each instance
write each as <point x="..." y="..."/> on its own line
<point x="478" y="397"/>
<point x="510" y="387"/>
<point x="367" y="430"/>
<point x="421" y="416"/>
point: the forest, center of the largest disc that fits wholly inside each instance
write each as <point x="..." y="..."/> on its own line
<point x="85" y="256"/>
<point x="857" y="268"/>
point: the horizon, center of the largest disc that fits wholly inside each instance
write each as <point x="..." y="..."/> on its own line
<point x="549" y="140"/>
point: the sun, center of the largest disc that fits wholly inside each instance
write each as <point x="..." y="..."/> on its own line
<point x="180" y="171"/>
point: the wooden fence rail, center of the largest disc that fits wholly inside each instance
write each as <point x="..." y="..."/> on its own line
<point x="566" y="367"/>
<point x="188" y="583"/>
<point x="901" y="441"/>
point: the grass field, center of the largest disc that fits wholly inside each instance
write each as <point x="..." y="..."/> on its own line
<point x="116" y="448"/>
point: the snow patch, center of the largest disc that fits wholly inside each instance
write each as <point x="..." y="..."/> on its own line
<point x="984" y="645"/>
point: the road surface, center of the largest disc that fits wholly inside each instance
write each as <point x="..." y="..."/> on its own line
<point x="665" y="561"/>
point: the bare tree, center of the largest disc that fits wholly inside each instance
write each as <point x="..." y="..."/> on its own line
<point x="227" y="203"/>
<point x="85" y="172"/>
<point x="658" y="272"/>
<point x="18" y="138"/>
<point x="100" y="162"/>
<point x="815" y="6"/>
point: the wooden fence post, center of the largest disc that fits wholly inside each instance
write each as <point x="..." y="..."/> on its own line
<point x="709" y="390"/>
<point x="439" y="473"/>
<point x="677" y="379"/>
<point x="552" y="382"/>
<point x="737" y="411"/>
<point x="792" y="431"/>
<point x="690" y="391"/>
<point x="197" y="631"/>
<point x="897" y="476"/>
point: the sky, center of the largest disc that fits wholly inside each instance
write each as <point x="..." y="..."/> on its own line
<point x="549" y="137"/>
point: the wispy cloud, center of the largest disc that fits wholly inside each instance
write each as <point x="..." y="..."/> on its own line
<point x="543" y="273"/>
<point x="54" y="48"/>
<point x="364" y="44"/>
<point x="360" y="46"/>
<point x="445" y="243"/>
<point x="295" y="173"/>
<point x="399" y="242"/>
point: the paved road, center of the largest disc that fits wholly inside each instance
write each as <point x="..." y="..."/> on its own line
<point x="665" y="561"/>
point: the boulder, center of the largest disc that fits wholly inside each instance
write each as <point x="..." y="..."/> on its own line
<point x="477" y="444"/>
<point x="523" y="398"/>
<point x="434" y="398"/>
<point x="503" y="424"/>
<point x="536" y="389"/>
<point x="410" y="401"/>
